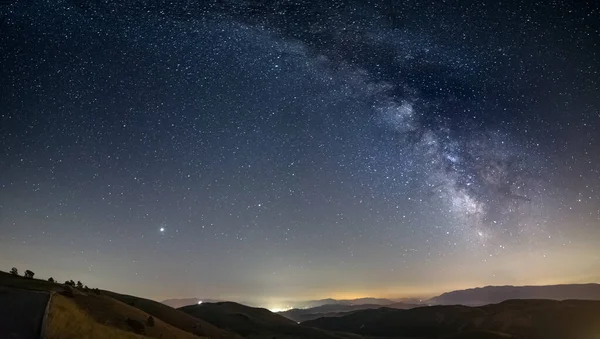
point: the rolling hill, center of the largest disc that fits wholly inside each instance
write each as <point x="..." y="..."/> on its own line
<point x="178" y="303"/>
<point x="111" y="315"/>
<point x="334" y="310"/>
<point x="533" y="319"/>
<point x="173" y="316"/>
<point x="251" y="322"/>
<point x="88" y="315"/>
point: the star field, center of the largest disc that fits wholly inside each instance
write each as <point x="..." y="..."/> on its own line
<point x="263" y="151"/>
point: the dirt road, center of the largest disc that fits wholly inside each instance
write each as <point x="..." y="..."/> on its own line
<point x="21" y="313"/>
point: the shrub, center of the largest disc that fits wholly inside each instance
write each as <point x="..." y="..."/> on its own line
<point x="68" y="291"/>
<point x="14" y="271"/>
<point x="150" y="321"/>
<point x="51" y="279"/>
<point x="29" y="274"/>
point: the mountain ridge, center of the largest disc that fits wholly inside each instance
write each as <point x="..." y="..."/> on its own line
<point x="495" y="294"/>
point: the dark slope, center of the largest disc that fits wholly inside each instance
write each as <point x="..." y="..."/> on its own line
<point x="334" y="310"/>
<point x="173" y="317"/>
<point x="521" y="318"/>
<point x="253" y="322"/>
<point x="178" y="303"/>
<point x="329" y="301"/>
<point x="495" y="294"/>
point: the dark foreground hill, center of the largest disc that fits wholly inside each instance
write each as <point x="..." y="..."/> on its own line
<point x="251" y="322"/>
<point x="532" y="319"/>
<point x="76" y="313"/>
<point x="495" y="294"/>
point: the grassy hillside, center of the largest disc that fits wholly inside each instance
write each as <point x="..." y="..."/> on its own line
<point x="93" y="316"/>
<point x="109" y="312"/>
<point x="521" y="318"/>
<point x="251" y="322"/>
<point x="173" y="316"/>
<point x="67" y="321"/>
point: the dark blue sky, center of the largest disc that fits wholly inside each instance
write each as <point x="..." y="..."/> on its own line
<point x="299" y="149"/>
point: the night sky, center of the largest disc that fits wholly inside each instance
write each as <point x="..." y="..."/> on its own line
<point x="268" y="151"/>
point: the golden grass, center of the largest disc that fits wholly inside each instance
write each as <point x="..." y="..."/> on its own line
<point x="173" y="316"/>
<point x="99" y="317"/>
<point x="67" y="321"/>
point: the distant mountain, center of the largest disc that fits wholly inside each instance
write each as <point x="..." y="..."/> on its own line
<point x="532" y="319"/>
<point x="177" y="303"/>
<point x="251" y="322"/>
<point x="495" y="294"/>
<point x="334" y="310"/>
<point x="329" y="301"/>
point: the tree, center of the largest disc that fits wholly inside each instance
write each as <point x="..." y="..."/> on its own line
<point x="51" y="279"/>
<point x="79" y="285"/>
<point x="150" y="321"/>
<point x="28" y="274"/>
<point x="14" y="271"/>
<point x="70" y="283"/>
<point x="85" y="288"/>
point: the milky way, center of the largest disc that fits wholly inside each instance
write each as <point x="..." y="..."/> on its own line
<point x="264" y="151"/>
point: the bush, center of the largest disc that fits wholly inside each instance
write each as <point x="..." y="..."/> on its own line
<point x="96" y="291"/>
<point x="51" y="279"/>
<point x="68" y="291"/>
<point x="150" y="321"/>
<point x="29" y="274"/>
<point x="136" y="326"/>
<point x="14" y="271"/>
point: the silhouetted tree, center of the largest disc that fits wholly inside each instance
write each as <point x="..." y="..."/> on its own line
<point x="51" y="279"/>
<point x="14" y="271"/>
<point x="150" y="321"/>
<point x="85" y="288"/>
<point x="28" y="274"/>
<point x="70" y="283"/>
<point x="79" y="285"/>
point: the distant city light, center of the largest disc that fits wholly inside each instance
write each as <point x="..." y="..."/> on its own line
<point x="280" y="309"/>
